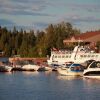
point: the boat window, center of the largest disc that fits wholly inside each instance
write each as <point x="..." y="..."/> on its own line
<point x="95" y="64"/>
<point x="55" y="56"/>
<point x="67" y="66"/>
<point x="59" y="56"/>
<point x="85" y="55"/>
<point x="81" y="55"/>
<point x="98" y="65"/>
<point x="92" y="55"/>
<point x="66" y="56"/>
<point x="88" y="55"/>
<point x="96" y="55"/>
<point x="63" y="56"/>
<point x="77" y="68"/>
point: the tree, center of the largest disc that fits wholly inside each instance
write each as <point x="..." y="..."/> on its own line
<point x="28" y="44"/>
<point x="23" y="51"/>
<point x="7" y="50"/>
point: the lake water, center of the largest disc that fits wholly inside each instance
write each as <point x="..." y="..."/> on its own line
<point x="47" y="86"/>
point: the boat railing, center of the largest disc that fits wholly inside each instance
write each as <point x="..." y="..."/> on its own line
<point x="61" y="52"/>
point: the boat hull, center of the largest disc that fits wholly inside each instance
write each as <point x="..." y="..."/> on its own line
<point x="94" y="77"/>
<point x="68" y="72"/>
<point x="5" y="69"/>
<point x="92" y="73"/>
<point x="30" y="67"/>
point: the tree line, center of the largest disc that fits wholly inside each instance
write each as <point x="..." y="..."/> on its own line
<point x="35" y="44"/>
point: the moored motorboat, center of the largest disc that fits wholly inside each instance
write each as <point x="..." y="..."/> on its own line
<point x="5" y="68"/>
<point x="30" y="67"/>
<point x="45" y="68"/>
<point x="93" y="70"/>
<point x="54" y="67"/>
<point x="71" y="70"/>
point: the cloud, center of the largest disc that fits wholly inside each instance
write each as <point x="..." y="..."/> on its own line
<point x="88" y="7"/>
<point x="78" y="18"/>
<point x="88" y="19"/>
<point x="42" y="12"/>
<point x="20" y="12"/>
<point x="85" y="23"/>
<point x="23" y="7"/>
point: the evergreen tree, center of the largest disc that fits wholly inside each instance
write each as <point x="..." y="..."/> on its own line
<point x="29" y="44"/>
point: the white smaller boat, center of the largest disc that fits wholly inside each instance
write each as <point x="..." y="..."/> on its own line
<point x="93" y="70"/>
<point x="54" y="67"/>
<point x="71" y="70"/>
<point x="30" y="67"/>
<point x="5" y="68"/>
<point x="45" y="68"/>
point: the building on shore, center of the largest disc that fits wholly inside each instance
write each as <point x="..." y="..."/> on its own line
<point x="91" y="38"/>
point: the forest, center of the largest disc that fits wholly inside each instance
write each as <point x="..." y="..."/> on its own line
<point x="35" y="44"/>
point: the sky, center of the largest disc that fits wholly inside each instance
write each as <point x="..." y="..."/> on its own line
<point x="38" y="14"/>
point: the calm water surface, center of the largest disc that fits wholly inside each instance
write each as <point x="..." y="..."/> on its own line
<point x="47" y="86"/>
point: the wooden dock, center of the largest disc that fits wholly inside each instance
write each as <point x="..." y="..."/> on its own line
<point x="38" y="60"/>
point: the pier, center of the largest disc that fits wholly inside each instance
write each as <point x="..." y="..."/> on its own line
<point x="36" y="60"/>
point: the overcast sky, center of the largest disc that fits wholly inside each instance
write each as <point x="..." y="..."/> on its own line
<point x="37" y="14"/>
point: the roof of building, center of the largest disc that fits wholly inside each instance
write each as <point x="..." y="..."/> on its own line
<point x="92" y="36"/>
<point x="87" y="35"/>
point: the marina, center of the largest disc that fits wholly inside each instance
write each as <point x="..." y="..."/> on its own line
<point x="49" y="50"/>
<point x="36" y="79"/>
<point x="89" y="68"/>
<point x="65" y="74"/>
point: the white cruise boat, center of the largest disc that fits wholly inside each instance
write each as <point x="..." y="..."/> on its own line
<point x="93" y="70"/>
<point x="71" y="70"/>
<point x="80" y="54"/>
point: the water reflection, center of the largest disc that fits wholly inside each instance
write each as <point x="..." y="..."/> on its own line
<point x="9" y="73"/>
<point x="91" y="81"/>
<point x="47" y="72"/>
<point x="6" y="73"/>
<point x="68" y="77"/>
<point x="30" y="73"/>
